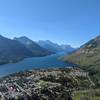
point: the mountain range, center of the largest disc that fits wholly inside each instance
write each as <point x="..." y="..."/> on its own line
<point x="13" y="50"/>
<point x="33" y="46"/>
<point x="54" y="47"/>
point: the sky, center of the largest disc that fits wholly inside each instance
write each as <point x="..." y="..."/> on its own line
<point x="71" y="22"/>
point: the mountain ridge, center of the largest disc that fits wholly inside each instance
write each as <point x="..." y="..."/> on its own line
<point x="54" y="47"/>
<point x="33" y="46"/>
<point x="87" y="56"/>
<point x="12" y="51"/>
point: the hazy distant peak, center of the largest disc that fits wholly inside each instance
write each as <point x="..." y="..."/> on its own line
<point x="24" y="40"/>
<point x="22" y="37"/>
<point x="48" y="41"/>
<point x="54" y="47"/>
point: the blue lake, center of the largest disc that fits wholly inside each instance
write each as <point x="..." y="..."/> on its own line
<point x="34" y="63"/>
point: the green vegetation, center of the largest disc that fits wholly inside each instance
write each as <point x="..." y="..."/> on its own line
<point x="92" y="94"/>
<point x="88" y="58"/>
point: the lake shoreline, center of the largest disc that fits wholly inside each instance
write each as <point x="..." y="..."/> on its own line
<point x="34" y="63"/>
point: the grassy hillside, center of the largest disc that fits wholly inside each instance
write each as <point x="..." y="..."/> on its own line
<point x="92" y="94"/>
<point x="88" y="57"/>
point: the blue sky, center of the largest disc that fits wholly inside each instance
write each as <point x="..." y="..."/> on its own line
<point x="71" y="22"/>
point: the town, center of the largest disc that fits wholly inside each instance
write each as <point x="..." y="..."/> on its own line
<point x="44" y="84"/>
